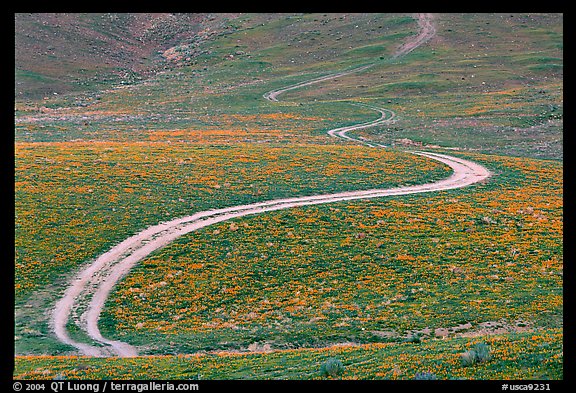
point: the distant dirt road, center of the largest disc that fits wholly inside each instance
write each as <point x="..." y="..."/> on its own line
<point x="89" y="290"/>
<point x="427" y="31"/>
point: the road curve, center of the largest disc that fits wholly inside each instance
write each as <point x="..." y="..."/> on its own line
<point x="386" y="117"/>
<point x="91" y="287"/>
<point x="110" y="267"/>
<point x="425" y="33"/>
<point x="273" y="95"/>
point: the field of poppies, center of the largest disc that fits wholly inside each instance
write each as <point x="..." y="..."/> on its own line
<point x="516" y="356"/>
<point x="76" y="200"/>
<point x="362" y="271"/>
<point x="402" y="287"/>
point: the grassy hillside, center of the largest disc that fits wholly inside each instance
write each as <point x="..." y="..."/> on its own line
<point x="74" y="201"/>
<point x="126" y="120"/>
<point x="514" y="356"/>
<point x="66" y="52"/>
<point x="467" y="88"/>
<point x="362" y="271"/>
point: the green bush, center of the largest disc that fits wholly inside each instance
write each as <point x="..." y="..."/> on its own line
<point x="414" y="338"/>
<point x="468" y="358"/>
<point x="332" y="367"/>
<point x="421" y="376"/>
<point x="480" y="353"/>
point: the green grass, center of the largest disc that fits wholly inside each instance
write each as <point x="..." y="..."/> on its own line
<point x="24" y="75"/>
<point x="463" y="75"/>
<point x="102" y="193"/>
<point x="321" y="275"/>
<point x="526" y="356"/>
<point x="489" y="84"/>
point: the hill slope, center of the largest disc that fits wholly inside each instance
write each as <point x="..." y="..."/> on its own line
<point x="160" y="116"/>
<point x="62" y="52"/>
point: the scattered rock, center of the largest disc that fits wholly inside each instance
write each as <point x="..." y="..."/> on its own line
<point x="456" y="270"/>
<point x="252" y="315"/>
<point x="408" y="142"/>
<point x="528" y="210"/>
<point x="441" y="332"/>
<point x="464" y="326"/>
<point x="488" y="220"/>
<point x="256" y="347"/>
<point x="385" y="333"/>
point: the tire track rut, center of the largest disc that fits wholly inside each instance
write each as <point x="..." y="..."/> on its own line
<point x="91" y="287"/>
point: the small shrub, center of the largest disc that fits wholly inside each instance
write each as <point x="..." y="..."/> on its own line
<point x="414" y="338"/>
<point x="468" y="358"/>
<point x="421" y="376"/>
<point x="332" y="367"/>
<point x="480" y="353"/>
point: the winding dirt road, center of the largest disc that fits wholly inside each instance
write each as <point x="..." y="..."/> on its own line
<point x="88" y="292"/>
<point x="273" y="95"/>
<point x="426" y="32"/>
